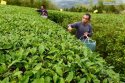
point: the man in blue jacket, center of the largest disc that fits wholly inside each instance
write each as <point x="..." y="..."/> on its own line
<point x="83" y="28"/>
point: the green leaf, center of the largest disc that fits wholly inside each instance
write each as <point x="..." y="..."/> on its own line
<point x="33" y="50"/>
<point x="5" y="80"/>
<point x="105" y="80"/>
<point x="25" y="79"/>
<point x="77" y="59"/>
<point x="88" y="64"/>
<point x="70" y="58"/>
<point x="3" y="68"/>
<point x="69" y="77"/>
<point x="41" y="80"/>
<point x="59" y="71"/>
<point x="84" y="71"/>
<point x="37" y="67"/>
<point x="85" y="52"/>
<point x="63" y="46"/>
<point x="55" y="78"/>
<point x="96" y="81"/>
<point x="49" y="57"/>
<point x="83" y="80"/>
<point x="62" y="80"/>
<point x="19" y="53"/>
<point x="29" y="73"/>
<point x="15" y="61"/>
<point x="89" y="77"/>
<point x="41" y="49"/>
<point x="53" y="51"/>
<point x="18" y="73"/>
<point x="47" y="79"/>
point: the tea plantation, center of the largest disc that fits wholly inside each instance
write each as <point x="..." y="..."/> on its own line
<point x="37" y="50"/>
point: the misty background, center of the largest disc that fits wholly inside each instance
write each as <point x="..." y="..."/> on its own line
<point x="71" y="3"/>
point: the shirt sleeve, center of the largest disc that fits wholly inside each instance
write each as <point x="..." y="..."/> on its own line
<point x="75" y="25"/>
<point x="38" y="10"/>
<point x="90" y="31"/>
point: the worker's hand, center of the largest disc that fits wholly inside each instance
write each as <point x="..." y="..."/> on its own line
<point x="43" y="13"/>
<point x="86" y="34"/>
<point x="69" y="28"/>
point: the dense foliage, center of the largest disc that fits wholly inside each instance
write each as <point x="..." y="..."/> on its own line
<point x="108" y="31"/>
<point x="32" y="3"/>
<point x="36" y="50"/>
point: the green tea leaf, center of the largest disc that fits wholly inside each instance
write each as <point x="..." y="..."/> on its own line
<point x="69" y="77"/>
<point x="105" y="80"/>
<point x="25" y="79"/>
<point x="59" y="71"/>
<point x="96" y="81"/>
<point x="62" y="80"/>
<point x="15" y="61"/>
<point x="37" y="67"/>
<point x="5" y="80"/>
<point x="41" y="80"/>
<point x="33" y="50"/>
<point x="41" y="49"/>
<point x="83" y="80"/>
<point x="18" y="73"/>
<point x="3" y="67"/>
<point x="47" y="79"/>
<point x="55" y="78"/>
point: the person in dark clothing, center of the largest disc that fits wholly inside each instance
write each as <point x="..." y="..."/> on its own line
<point x="43" y="11"/>
<point x="83" y="28"/>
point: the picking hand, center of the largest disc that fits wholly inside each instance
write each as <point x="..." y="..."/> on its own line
<point x="69" y="28"/>
<point x="86" y="34"/>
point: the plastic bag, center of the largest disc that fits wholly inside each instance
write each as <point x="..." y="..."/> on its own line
<point x="91" y="44"/>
